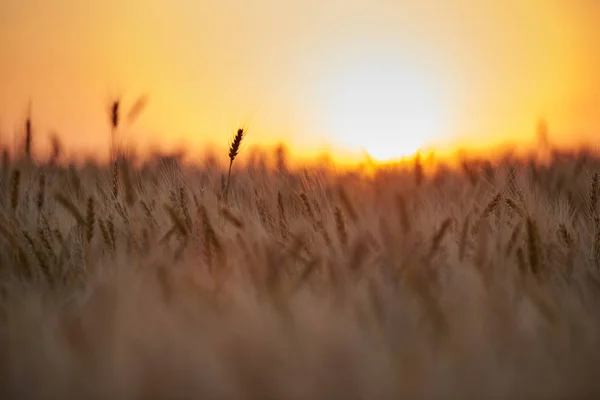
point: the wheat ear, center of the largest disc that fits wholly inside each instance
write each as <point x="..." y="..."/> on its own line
<point x="234" y="149"/>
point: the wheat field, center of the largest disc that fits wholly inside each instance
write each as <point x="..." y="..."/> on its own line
<point x="162" y="279"/>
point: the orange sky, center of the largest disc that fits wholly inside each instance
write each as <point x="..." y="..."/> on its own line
<point x="337" y="73"/>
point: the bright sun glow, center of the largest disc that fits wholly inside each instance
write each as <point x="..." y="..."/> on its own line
<point x="387" y="110"/>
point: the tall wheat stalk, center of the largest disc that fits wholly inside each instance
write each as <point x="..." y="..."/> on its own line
<point x="234" y="149"/>
<point x="28" y="136"/>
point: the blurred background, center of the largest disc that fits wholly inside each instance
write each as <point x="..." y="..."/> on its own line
<point x="382" y="76"/>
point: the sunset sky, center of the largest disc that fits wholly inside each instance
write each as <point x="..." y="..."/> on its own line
<point x="385" y="75"/>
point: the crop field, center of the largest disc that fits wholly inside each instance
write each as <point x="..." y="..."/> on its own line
<point x="421" y="280"/>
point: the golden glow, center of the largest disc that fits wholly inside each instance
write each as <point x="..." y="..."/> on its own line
<point x="385" y="108"/>
<point x="387" y="76"/>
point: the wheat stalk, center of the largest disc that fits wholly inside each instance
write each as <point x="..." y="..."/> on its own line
<point x="234" y="149"/>
<point x="595" y="186"/>
<point x="41" y="193"/>
<point x="90" y="219"/>
<point x="114" y="125"/>
<point x="533" y="246"/>
<point x="28" y="135"/>
<point x="14" y="189"/>
<point x="115" y="179"/>
<point x="283" y="228"/>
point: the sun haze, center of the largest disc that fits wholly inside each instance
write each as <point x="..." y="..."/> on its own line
<point x="385" y="77"/>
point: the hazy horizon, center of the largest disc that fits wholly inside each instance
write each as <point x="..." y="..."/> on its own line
<point x="336" y="74"/>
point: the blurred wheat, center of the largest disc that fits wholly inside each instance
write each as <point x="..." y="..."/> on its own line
<point x="417" y="282"/>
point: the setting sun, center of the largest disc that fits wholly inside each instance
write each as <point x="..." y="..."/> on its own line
<point x="386" y="109"/>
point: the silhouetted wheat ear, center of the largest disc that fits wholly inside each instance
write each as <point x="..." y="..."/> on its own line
<point x="114" y="114"/>
<point x="114" y="125"/>
<point x="28" y="137"/>
<point x="234" y="149"/>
